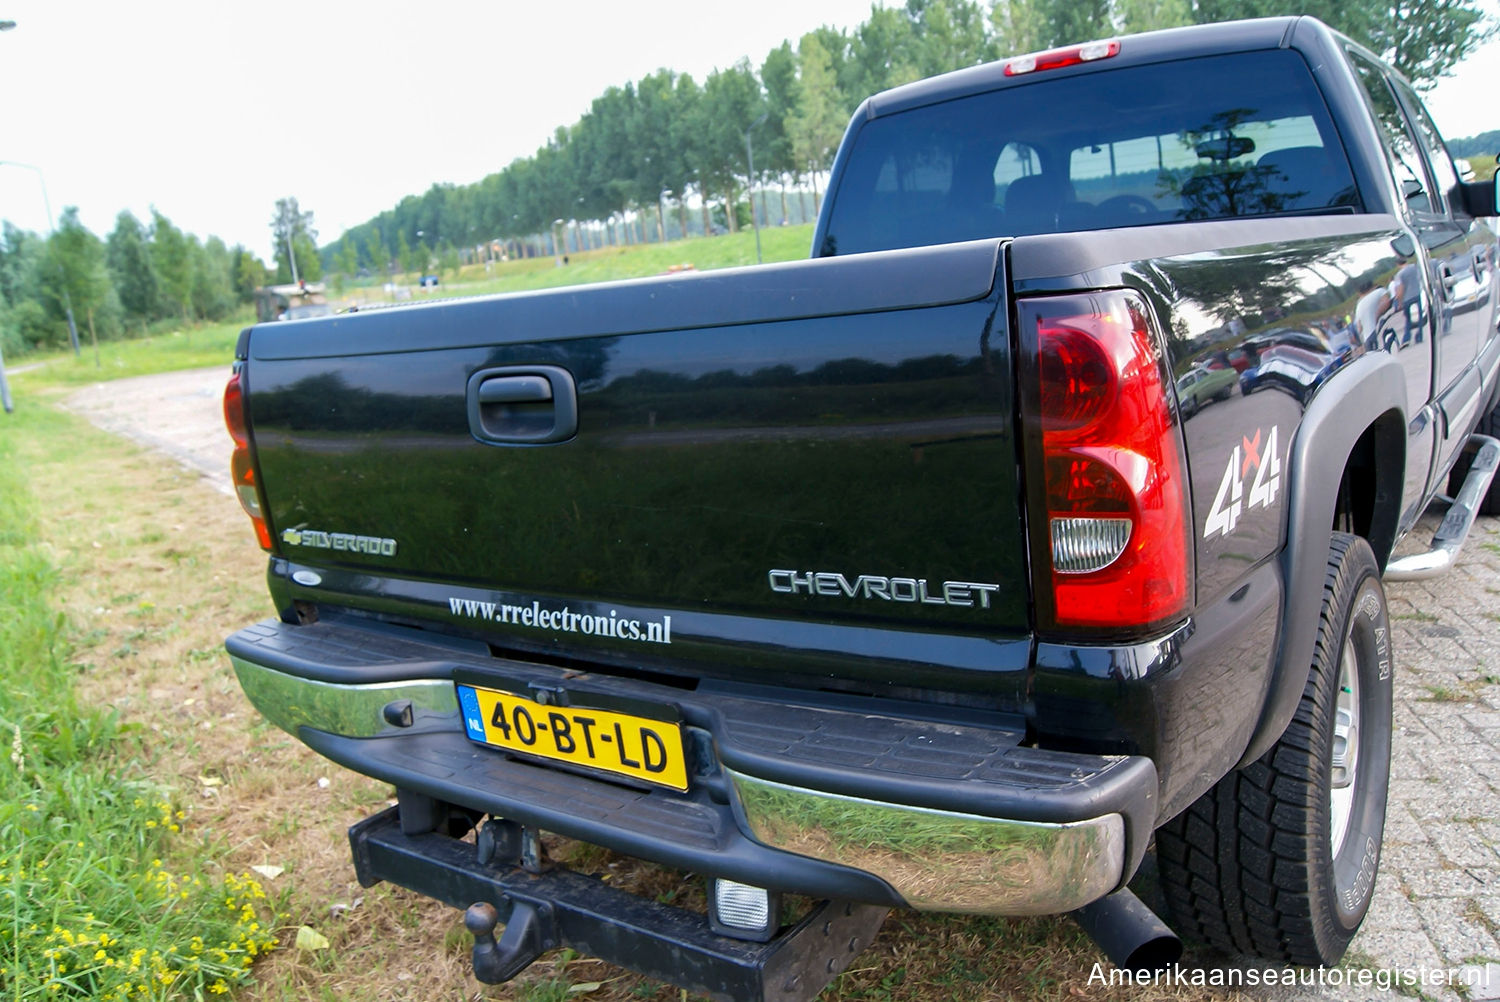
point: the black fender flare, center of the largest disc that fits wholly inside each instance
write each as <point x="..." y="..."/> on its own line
<point x="1369" y="392"/>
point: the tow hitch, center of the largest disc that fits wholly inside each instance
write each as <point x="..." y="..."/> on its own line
<point x="544" y="907"/>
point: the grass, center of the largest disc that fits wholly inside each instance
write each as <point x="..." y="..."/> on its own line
<point x="781" y="243"/>
<point x="88" y="907"/>
<point x="188" y="348"/>
<point x="1483" y="167"/>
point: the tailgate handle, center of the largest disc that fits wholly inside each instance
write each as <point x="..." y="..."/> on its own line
<point x="522" y="405"/>
<point x="514" y="389"/>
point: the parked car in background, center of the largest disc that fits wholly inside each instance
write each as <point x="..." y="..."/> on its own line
<point x="1201" y="385"/>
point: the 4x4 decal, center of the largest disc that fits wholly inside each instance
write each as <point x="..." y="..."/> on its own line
<point x="1249" y="455"/>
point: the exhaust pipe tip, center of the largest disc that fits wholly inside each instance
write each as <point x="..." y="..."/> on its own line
<point x="1130" y="934"/>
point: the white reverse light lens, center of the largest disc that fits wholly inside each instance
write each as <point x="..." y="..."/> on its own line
<point x="1081" y="545"/>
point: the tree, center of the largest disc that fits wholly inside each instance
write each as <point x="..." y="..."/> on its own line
<point x="172" y="254"/>
<point x="778" y="75"/>
<point x="1151" y="15"/>
<point x="293" y="229"/>
<point x="213" y="283"/>
<point x="881" y="53"/>
<point x="687" y="96"/>
<point x="309" y="264"/>
<point x="22" y="255"/>
<point x="732" y="100"/>
<point x="1019" y="26"/>
<point x="380" y="255"/>
<point x="660" y="167"/>
<point x="1424" y="40"/>
<point x="817" y="125"/>
<point x="75" y="274"/>
<point x="1070" y="21"/>
<point x="128" y="254"/>
<point x="448" y="262"/>
<point x="248" y="273"/>
<point x="348" y="257"/>
<point x="950" y="34"/>
<point x="404" y="258"/>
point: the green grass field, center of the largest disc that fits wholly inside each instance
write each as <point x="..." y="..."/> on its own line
<point x="101" y="894"/>
<point x="782" y="243"/>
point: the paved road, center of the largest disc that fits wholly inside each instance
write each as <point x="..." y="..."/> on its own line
<point x="1437" y="902"/>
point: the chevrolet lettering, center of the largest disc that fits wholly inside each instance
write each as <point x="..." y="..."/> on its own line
<point x="832" y="584"/>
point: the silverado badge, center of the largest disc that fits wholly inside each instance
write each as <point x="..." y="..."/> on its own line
<point x="375" y="546"/>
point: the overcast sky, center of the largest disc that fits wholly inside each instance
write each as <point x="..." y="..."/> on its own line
<point x="212" y="111"/>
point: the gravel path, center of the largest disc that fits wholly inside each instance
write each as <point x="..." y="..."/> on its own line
<point x="177" y="413"/>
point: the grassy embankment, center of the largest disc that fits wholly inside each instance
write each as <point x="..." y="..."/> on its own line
<point x="106" y="889"/>
<point x="124" y="574"/>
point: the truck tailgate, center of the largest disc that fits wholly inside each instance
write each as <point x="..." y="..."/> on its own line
<point x="815" y="457"/>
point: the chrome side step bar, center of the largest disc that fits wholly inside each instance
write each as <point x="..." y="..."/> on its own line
<point x="1450" y="536"/>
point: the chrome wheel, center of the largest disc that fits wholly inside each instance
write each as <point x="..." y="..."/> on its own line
<point x="1344" y="767"/>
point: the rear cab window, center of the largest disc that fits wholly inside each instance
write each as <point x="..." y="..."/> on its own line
<point x="1217" y="137"/>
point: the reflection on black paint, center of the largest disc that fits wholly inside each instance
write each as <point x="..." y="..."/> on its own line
<point x="868" y="444"/>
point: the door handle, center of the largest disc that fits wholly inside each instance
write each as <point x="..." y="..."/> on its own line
<point x="514" y="390"/>
<point x="522" y="405"/>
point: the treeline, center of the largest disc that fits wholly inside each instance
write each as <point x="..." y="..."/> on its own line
<point x="628" y="170"/>
<point x="1486" y="144"/>
<point x="116" y="286"/>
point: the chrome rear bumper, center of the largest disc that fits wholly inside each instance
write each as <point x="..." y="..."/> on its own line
<point x="931" y="825"/>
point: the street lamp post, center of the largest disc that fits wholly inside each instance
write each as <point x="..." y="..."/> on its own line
<point x="291" y="255"/>
<point x="52" y="228"/>
<point x="4" y="386"/>
<point x="750" y="155"/>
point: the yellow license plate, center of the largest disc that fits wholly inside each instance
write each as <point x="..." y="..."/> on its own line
<point x="618" y="743"/>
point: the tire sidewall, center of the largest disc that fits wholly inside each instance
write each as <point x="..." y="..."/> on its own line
<point x="1367" y="629"/>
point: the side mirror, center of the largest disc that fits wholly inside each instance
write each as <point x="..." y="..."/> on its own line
<point x="1481" y="199"/>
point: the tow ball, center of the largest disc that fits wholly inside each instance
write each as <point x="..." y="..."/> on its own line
<point x="530" y="931"/>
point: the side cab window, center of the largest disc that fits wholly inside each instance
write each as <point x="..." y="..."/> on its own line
<point x="1407" y="164"/>
<point x="1444" y="174"/>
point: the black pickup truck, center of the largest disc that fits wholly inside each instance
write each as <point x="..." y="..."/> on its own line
<point x="1038" y="523"/>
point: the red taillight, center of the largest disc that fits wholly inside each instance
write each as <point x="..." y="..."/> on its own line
<point x="1054" y="59"/>
<point x="1111" y="475"/>
<point x="234" y="412"/>
<point x="241" y="464"/>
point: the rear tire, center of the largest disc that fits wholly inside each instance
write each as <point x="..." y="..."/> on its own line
<point x="1278" y="860"/>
